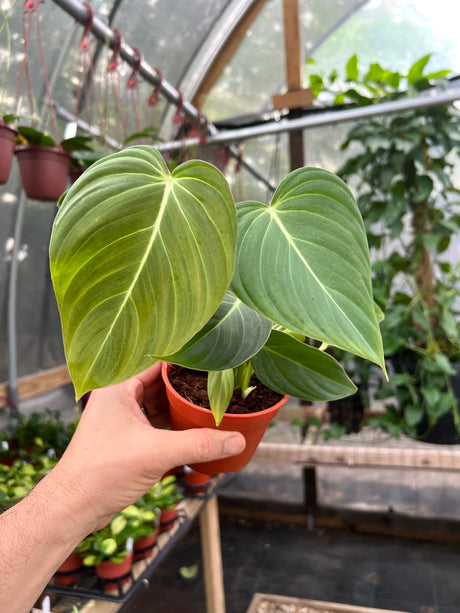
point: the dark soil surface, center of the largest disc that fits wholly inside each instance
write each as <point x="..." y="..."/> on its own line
<point x="192" y="385"/>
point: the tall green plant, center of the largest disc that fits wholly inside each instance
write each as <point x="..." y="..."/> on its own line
<point x="402" y="168"/>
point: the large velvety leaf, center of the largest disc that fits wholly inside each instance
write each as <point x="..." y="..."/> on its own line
<point x="233" y="335"/>
<point x="303" y="262"/>
<point x="140" y="261"/>
<point x="289" y="366"/>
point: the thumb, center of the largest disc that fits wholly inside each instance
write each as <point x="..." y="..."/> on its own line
<point x="200" y="445"/>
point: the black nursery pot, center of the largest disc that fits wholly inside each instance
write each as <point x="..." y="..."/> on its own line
<point x="444" y="432"/>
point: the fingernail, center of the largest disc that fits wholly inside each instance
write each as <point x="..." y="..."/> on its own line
<point x="234" y="445"/>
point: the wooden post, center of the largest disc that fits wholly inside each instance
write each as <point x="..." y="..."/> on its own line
<point x="212" y="557"/>
<point x="296" y="97"/>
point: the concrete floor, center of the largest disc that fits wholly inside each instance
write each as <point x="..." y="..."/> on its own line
<point x="371" y="570"/>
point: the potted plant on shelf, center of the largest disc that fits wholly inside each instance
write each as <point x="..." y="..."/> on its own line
<point x="144" y="519"/>
<point x="109" y="550"/>
<point x="196" y="483"/>
<point x="43" y="164"/>
<point x="165" y="497"/>
<point x="403" y="167"/>
<point x="180" y="273"/>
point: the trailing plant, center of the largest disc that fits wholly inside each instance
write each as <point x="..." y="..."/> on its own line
<point x="152" y="265"/>
<point x="402" y="168"/>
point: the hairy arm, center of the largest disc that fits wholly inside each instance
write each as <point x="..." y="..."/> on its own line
<point x="114" y="457"/>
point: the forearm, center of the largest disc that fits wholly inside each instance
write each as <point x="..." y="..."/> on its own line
<point x="36" y="535"/>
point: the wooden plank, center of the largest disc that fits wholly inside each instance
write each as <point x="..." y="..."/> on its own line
<point x="295" y="99"/>
<point x="414" y="455"/>
<point x="224" y="56"/>
<point x="292" y="46"/>
<point x="310" y="606"/>
<point x="38" y="383"/>
<point x="212" y="557"/>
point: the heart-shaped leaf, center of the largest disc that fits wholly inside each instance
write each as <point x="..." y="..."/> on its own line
<point x="303" y="262"/>
<point x="290" y="367"/>
<point x="140" y="261"/>
<point x="233" y="335"/>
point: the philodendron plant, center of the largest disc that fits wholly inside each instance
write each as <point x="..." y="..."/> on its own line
<point x="151" y="265"/>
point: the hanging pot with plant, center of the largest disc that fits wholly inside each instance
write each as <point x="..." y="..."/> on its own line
<point x="43" y="165"/>
<point x="8" y="135"/>
<point x="233" y="290"/>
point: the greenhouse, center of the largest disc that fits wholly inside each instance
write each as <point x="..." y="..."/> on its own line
<point x="229" y="304"/>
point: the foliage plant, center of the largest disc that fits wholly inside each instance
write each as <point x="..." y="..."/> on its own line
<point x="142" y="520"/>
<point x="402" y="167"/>
<point x="162" y="495"/>
<point x="36" y="434"/>
<point x="17" y="480"/>
<point x="149" y="264"/>
<point x="108" y="543"/>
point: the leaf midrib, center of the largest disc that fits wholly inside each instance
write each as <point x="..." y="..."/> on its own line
<point x="155" y="231"/>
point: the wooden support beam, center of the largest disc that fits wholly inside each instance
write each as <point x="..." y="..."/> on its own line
<point x="295" y="99"/>
<point x="226" y="53"/>
<point x="212" y="557"/>
<point x="292" y="45"/>
<point x="41" y="382"/>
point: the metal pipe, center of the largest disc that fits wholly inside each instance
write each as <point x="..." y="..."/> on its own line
<point x="13" y="392"/>
<point x="103" y="32"/>
<point x="319" y="119"/>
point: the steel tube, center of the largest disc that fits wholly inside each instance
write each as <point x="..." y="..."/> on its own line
<point x="325" y="118"/>
<point x="102" y="32"/>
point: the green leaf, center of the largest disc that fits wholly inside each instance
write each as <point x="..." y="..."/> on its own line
<point x="108" y="546"/>
<point x="118" y="524"/>
<point x="416" y="70"/>
<point x="220" y="392"/>
<point x="413" y="414"/>
<point x="36" y="137"/>
<point x="233" y="335"/>
<point x="140" y="260"/>
<point x="189" y="572"/>
<point x="324" y="291"/>
<point x="290" y="367"/>
<point x="351" y="68"/>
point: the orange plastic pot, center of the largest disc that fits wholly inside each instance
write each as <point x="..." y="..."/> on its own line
<point x="143" y="547"/>
<point x="197" y="483"/>
<point x="167" y="519"/>
<point x="185" y="415"/>
<point x="7" y="139"/>
<point x="67" y="573"/>
<point x="120" y="572"/>
<point x="44" y="171"/>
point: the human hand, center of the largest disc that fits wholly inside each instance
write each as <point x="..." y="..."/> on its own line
<point x="117" y="453"/>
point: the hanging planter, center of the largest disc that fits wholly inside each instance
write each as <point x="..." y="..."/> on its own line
<point x="7" y="142"/>
<point x="184" y="414"/>
<point x="44" y="171"/>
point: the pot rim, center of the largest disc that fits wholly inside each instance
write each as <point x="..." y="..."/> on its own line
<point x="37" y="148"/>
<point x="7" y="126"/>
<point x="166" y="367"/>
